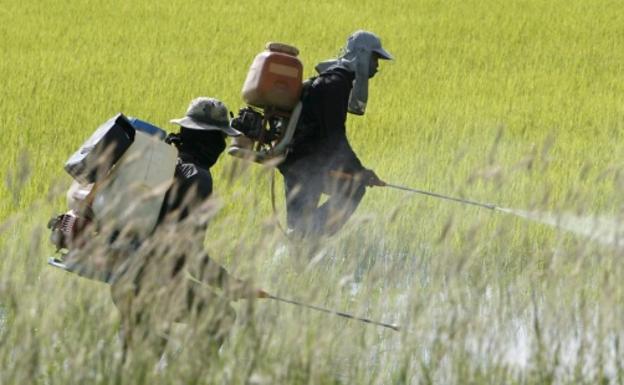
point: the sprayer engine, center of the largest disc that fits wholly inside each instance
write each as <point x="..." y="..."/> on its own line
<point x="255" y="126"/>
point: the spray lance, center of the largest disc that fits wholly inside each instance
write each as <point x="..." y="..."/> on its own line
<point x="263" y="294"/>
<point x="259" y="293"/>
<point x="605" y="232"/>
<point x="488" y="206"/>
<point x="380" y="183"/>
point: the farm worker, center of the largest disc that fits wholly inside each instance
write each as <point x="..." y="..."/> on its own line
<point x="174" y="277"/>
<point x="321" y="159"/>
<point x="200" y="142"/>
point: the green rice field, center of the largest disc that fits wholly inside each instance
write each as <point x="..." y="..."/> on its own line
<point x="514" y="103"/>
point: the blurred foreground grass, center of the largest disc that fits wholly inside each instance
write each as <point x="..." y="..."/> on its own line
<point x="519" y="104"/>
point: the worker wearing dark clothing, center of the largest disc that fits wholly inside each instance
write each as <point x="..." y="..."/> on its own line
<point x="321" y="160"/>
<point x="320" y="146"/>
<point x="198" y="150"/>
<point x="175" y="250"/>
<point x="200" y="142"/>
<point x="321" y="138"/>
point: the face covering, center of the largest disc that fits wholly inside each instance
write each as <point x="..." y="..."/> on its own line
<point x="358" y="63"/>
<point x="356" y="57"/>
<point x="201" y="146"/>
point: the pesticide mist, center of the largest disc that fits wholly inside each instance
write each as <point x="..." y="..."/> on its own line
<point x="602" y="229"/>
<point x="2" y="319"/>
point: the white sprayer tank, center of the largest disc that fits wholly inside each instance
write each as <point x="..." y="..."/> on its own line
<point x="132" y="195"/>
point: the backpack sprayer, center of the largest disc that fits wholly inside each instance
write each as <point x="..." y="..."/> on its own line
<point x="272" y="91"/>
<point x="120" y="177"/>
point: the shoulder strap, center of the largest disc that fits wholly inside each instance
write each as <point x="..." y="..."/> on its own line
<point x="306" y="85"/>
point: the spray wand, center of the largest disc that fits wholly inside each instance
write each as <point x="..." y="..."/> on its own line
<point x="263" y="294"/>
<point x="488" y="206"/>
<point x="380" y="183"/>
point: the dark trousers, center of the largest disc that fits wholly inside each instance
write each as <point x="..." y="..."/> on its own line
<point x="303" y="188"/>
<point x="153" y="292"/>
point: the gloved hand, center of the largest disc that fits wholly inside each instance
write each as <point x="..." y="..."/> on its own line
<point x="370" y="178"/>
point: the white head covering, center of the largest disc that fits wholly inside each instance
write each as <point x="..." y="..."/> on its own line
<point x="355" y="57"/>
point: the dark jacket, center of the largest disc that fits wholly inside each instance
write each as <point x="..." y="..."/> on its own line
<point x="320" y="143"/>
<point x="192" y="186"/>
<point x="197" y="151"/>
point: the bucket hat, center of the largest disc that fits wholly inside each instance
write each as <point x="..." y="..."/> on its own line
<point x="207" y="114"/>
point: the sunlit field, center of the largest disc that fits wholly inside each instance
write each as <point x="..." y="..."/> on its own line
<point x="518" y="104"/>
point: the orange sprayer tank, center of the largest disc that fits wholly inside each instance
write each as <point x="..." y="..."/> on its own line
<point x="274" y="78"/>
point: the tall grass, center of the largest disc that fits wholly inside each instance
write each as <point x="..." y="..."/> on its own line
<point x="515" y="103"/>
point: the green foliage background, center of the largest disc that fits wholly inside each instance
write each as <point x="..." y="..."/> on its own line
<point x="517" y="103"/>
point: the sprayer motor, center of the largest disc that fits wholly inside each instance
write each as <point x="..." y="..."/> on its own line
<point x="250" y="123"/>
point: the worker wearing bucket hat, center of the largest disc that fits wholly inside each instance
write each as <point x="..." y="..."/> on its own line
<point x="175" y="251"/>
<point x="207" y="114"/>
<point x="200" y="142"/>
<point x="320" y="148"/>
